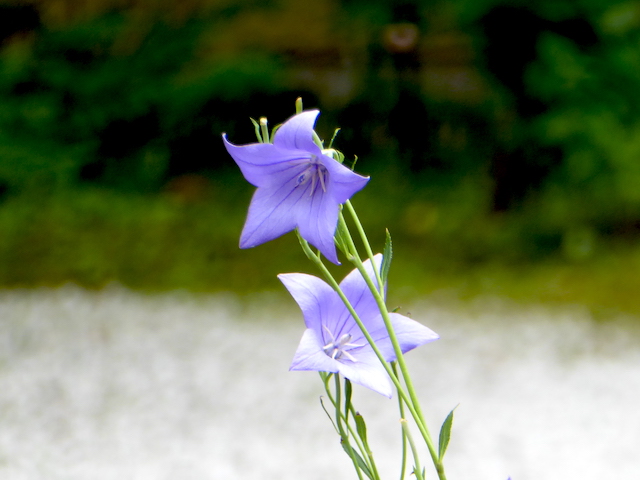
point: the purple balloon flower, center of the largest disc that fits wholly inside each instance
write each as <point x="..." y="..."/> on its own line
<point x="298" y="186"/>
<point x="333" y="342"/>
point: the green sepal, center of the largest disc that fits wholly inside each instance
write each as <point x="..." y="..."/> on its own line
<point x="317" y="141"/>
<point x="257" y="127"/>
<point x="361" y="427"/>
<point x="387" y="255"/>
<point x="445" y="434"/>
<point x="357" y="458"/>
<point x="335" y="132"/>
<point x="274" y="130"/>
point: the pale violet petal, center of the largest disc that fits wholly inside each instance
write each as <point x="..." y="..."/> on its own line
<point x="310" y="356"/>
<point x="356" y="290"/>
<point x="297" y="133"/>
<point x="368" y="372"/>
<point x="269" y="216"/>
<point x="266" y="165"/>
<point x="317" y="221"/>
<point x="312" y="295"/>
<point x="410" y="334"/>
<point x="343" y="182"/>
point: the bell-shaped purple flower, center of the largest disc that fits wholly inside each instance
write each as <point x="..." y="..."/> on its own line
<point x="298" y="186"/>
<point x="333" y="342"/>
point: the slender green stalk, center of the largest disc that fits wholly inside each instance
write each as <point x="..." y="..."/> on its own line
<point x="417" y="469"/>
<point x="367" y="450"/>
<point x="403" y="460"/>
<point x="362" y="446"/>
<point x="378" y="294"/>
<point x="344" y="437"/>
<point x="365" y="240"/>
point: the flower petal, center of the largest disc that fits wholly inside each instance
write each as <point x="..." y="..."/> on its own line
<point x="368" y="372"/>
<point x="317" y="221"/>
<point x="297" y="133"/>
<point x="356" y="290"/>
<point x="315" y="298"/>
<point x="269" y="216"/>
<point x="310" y="356"/>
<point x="266" y="165"/>
<point x="410" y="334"/>
<point x="343" y="182"/>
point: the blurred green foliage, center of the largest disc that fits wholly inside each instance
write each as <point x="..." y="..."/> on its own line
<point x="489" y="157"/>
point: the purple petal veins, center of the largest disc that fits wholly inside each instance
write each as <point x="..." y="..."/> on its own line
<point x="297" y="186"/>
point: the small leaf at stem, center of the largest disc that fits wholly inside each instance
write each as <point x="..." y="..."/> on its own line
<point x="386" y="258"/>
<point x="348" y="389"/>
<point x="356" y="456"/>
<point x="445" y="434"/>
<point x="361" y="427"/>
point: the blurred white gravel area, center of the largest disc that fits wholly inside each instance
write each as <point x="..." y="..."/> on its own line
<point x="119" y="385"/>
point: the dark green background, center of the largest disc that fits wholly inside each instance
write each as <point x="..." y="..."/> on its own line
<point x="502" y="138"/>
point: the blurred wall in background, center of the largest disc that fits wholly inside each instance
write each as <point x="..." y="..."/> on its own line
<point x="493" y="129"/>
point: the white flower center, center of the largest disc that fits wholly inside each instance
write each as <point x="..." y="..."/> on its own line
<point x="337" y="349"/>
<point x="316" y="173"/>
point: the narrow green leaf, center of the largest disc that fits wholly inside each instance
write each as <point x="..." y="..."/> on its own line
<point x="361" y="427"/>
<point x="387" y="255"/>
<point x="445" y="434"/>
<point x="348" y="389"/>
<point x="358" y="459"/>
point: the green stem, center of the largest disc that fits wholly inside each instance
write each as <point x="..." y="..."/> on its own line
<point x="344" y="437"/>
<point x="365" y="240"/>
<point x="361" y="446"/>
<point x="378" y="294"/>
<point x="417" y="469"/>
<point x="403" y="461"/>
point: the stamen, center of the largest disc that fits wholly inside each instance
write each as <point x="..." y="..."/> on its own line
<point x="321" y="173"/>
<point x="317" y="173"/>
<point x="336" y="349"/>
<point x="313" y="182"/>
